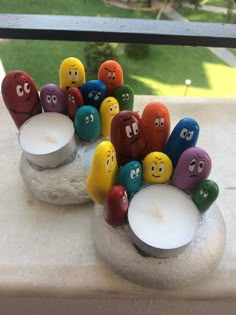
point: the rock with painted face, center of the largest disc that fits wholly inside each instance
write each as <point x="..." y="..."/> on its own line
<point x="128" y="137"/>
<point x="111" y="73"/>
<point x="87" y="123"/>
<point x="20" y="96"/>
<point x="108" y="109"/>
<point x="103" y="172"/>
<point x="75" y="100"/>
<point x="184" y="135"/>
<point x="53" y="99"/>
<point x="205" y="194"/>
<point x="71" y="73"/>
<point x="156" y="120"/>
<point x="194" y="166"/>
<point x="130" y="176"/>
<point x="116" y="206"/>
<point x="125" y="96"/>
<point x="94" y="92"/>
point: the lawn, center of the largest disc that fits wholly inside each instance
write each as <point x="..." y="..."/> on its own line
<point x="162" y="73"/>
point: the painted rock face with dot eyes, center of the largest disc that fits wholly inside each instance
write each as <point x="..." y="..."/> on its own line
<point x="108" y="109"/>
<point x="156" y="120"/>
<point x="194" y="166"/>
<point x="87" y="123"/>
<point x="130" y="176"/>
<point x="20" y="96"/>
<point x="75" y="100"/>
<point x="102" y="173"/>
<point x="184" y="135"/>
<point x="205" y="194"/>
<point x="53" y="99"/>
<point x="157" y="168"/>
<point x="125" y="97"/>
<point x="111" y="73"/>
<point x="94" y="92"/>
<point x="116" y="206"/>
<point x="128" y="137"/>
<point x="71" y="73"/>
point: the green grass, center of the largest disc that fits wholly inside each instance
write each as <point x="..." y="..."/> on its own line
<point x="200" y="15"/>
<point x="162" y="73"/>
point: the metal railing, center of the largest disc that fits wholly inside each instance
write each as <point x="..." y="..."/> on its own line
<point x="119" y="30"/>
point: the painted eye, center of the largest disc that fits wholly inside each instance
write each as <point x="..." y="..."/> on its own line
<point x="152" y="167"/>
<point x="108" y="162"/>
<point x="70" y="74"/>
<point x="132" y="174"/>
<point x="124" y="198"/>
<point x="48" y="98"/>
<point x="156" y="122"/>
<point x="183" y="133"/>
<point x="205" y="194"/>
<point x="123" y="97"/>
<point x="99" y="94"/>
<point x="112" y="157"/>
<point x="86" y="119"/>
<point x="109" y="75"/>
<point x="127" y="96"/>
<point x="90" y="94"/>
<point x="113" y="75"/>
<point x="137" y="172"/>
<point x="91" y="117"/>
<point x="192" y="165"/>
<point x="54" y="99"/>
<point x="135" y="128"/>
<point x="69" y="97"/>
<point x="73" y="99"/>
<point x="110" y="108"/>
<point x="201" y="192"/>
<point x="161" y="168"/>
<point x="76" y="75"/>
<point x="26" y="87"/>
<point x="200" y="166"/>
<point x="189" y="135"/>
<point x="19" y="90"/>
<point x="162" y="121"/>
<point x="129" y="132"/>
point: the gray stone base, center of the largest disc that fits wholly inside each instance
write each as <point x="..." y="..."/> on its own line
<point x="63" y="185"/>
<point x="199" y="259"/>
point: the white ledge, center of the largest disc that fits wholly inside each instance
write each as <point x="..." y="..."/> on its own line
<point x="47" y="251"/>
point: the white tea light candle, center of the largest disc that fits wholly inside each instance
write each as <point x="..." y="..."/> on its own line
<point x="47" y="139"/>
<point x="163" y="220"/>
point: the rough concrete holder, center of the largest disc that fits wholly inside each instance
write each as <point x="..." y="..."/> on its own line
<point x="62" y="185"/>
<point x="199" y="259"/>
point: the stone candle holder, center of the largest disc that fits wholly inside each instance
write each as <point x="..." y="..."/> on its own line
<point x="199" y="259"/>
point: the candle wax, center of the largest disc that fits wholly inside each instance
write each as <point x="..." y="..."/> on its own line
<point x="46" y="133"/>
<point x="163" y="217"/>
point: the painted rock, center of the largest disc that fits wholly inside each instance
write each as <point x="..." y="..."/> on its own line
<point x="128" y="137"/>
<point x="94" y="92"/>
<point x="111" y="73"/>
<point x="116" y="206"/>
<point x="103" y="172"/>
<point x="71" y="73"/>
<point x="156" y="120"/>
<point x="125" y="96"/>
<point x="20" y="96"/>
<point x="87" y="123"/>
<point x="75" y="100"/>
<point x="108" y="109"/>
<point x="53" y="99"/>
<point x="184" y="135"/>
<point x="194" y="166"/>
<point x="205" y="194"/>
<point x="130" y="176"/>
<point x="157" y="168"/>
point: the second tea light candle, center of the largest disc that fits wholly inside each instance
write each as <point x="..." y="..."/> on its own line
<point x="163" y="220"/>
<point x="47" y="139"/>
